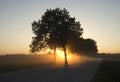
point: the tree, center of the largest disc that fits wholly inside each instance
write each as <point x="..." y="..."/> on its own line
<point x="82" y="46"/>
<point x="89" y="47"/>
<point x="54" y="30"/>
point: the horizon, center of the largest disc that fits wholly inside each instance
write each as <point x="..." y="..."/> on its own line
<point x="99" y="20"/>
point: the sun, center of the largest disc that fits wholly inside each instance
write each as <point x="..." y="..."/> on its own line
<point x="60" y="54"/>
<point x="61" y="57"/>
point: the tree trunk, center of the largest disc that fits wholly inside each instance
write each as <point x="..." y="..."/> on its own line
<point x="66" y="62"/>
<point x="73" y="58"/>
<point x="55" y="54"/>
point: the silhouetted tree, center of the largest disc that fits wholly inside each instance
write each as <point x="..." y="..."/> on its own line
<point x="90" y="47"/>
<point x="54" y="30"/>
<point x="84" y="46"/>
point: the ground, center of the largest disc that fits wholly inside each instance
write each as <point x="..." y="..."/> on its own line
<point x="82" y="72"/>
<point x="109" y="71"/>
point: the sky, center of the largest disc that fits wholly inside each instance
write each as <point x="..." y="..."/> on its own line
<point x="100" y="20"/>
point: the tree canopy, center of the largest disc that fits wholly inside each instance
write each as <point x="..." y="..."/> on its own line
<point x="54" y="29"/>
<point x="82" y="46"/>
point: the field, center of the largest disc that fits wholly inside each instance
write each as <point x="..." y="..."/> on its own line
<point x="41" y="68"/>
<point x="109" y="71"/>
<point x="29" y="68"/>
<point x="11" y="63"/>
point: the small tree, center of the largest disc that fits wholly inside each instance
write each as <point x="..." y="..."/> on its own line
<point x="89" y="47"/>
<point x="83" y="46"/>
<point x="54" y="30"/>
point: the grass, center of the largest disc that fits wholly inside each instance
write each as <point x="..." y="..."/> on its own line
<point x="109" y="71"/>
<point x="17" y="63"/>
<point x="13" y="67"/>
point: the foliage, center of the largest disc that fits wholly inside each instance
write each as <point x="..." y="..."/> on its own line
<point x="83" y="46"/>
<point x="54" y="29"/>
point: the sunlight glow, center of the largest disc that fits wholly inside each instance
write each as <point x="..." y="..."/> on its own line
<point x="60" y="54"/>
<point x="71" y="58"/>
